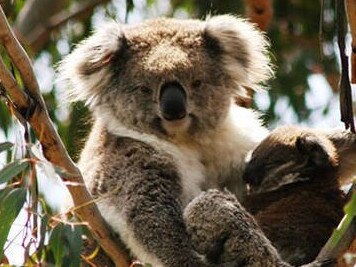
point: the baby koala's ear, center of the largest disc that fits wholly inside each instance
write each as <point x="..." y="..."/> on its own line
<point x="243" y="49"/>
<point x="85" y="71"/>
<point x="319" y="151"/>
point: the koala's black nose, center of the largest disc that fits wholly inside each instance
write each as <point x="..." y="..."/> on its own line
<point x="173" y="101"/>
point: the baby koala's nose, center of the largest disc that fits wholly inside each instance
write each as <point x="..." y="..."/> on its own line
<point x="173" y="101"/>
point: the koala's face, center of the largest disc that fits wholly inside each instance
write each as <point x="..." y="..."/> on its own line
<point x="165" y="81"/>
<point x="165" y="76"/>
<point x="290" y="155"/>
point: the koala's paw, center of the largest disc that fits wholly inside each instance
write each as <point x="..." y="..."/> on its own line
<point x="226" y="234"/>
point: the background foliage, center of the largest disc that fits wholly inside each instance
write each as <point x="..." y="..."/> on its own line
<point x="298" y="51"/>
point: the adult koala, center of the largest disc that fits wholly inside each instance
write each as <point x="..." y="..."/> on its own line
<point x="165" y="123"/>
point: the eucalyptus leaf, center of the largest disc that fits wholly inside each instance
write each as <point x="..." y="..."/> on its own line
<point x="5" y="146"/>
<point x="74" y="239"/>
<point x="350" y="208"/>
<point x="65" y="245"/>
<point x="3" y="193"/>
<point x="13" y="169"/>
<point x="11" y="202"/>
<point x="56" y="244"/>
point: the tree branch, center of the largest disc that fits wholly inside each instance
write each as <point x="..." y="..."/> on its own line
<point x="351" y="14"/>
<point x="345" y="86"/>
<point x="40" y="34"/>
<point x="52" y="146"/>
<point x="35" y="12"/>
<point x="12" y="88"/>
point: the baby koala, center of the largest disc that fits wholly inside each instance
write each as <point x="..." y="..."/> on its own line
<point x="294" y="189"/>
<point x="226" y="234"/>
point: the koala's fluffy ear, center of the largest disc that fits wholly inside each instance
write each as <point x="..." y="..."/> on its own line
<point x="85" y="71"/>
<point x="244" y="49"/>
<point x="319" y="151"/>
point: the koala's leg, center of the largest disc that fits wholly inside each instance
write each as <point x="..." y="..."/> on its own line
<point x="145" y="208"/>
<point x="226" y="234"/>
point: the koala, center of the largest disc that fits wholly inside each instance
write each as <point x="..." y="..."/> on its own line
<point x="294" y="178"/>
<point x="226" y="234"/>
<point x="166" y="125"/>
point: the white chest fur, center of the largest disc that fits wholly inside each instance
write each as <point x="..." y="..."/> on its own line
<point x="224" y="151"/>
<point x="214" y="159"/>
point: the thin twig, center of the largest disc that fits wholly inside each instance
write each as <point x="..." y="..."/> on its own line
<point x="53" y="148"/>
<point x="321" y="21"/>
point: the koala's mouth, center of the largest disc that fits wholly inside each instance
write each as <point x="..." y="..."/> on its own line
<point x="177" y="127"/>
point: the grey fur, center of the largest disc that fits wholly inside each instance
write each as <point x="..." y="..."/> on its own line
<point x="223" y="231"/>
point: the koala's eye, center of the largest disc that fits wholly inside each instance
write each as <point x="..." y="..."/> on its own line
<point x="146" y="90"/>
<point x="196" y="83"/>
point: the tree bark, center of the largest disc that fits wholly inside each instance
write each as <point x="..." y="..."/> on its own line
<point x="38" y="19"/>
<point x="37" y="12"/>
<point x="351" y="14"/>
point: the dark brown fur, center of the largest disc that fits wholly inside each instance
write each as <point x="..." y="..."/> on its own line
<point x="299" y="215"/>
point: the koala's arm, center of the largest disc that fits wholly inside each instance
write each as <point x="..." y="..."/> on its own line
<point x="140" y="195"/>
<point x="223" y="231"/>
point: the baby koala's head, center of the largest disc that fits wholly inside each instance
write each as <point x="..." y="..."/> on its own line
<point x="291" y="155"/>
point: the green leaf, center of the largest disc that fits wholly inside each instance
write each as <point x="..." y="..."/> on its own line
<point x="5" y="121"/>
<point x="350" y="207"/>
<point x="129" y="5"/>
<point x="11" y="202"/>
<point x="65" y="245"/>
<point x="12" y="169"/>
<point x="57" y="245"/>
<point x="40" y="252"/>
<point x="350" y="213"/>
<point x="5" y="146"/>
<point x="150" y="2"/>
<point x="74" y="238"/>
<point x="3" y="193"/>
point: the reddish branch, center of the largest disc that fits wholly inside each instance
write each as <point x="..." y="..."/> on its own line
<point x="30" y="105"/>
